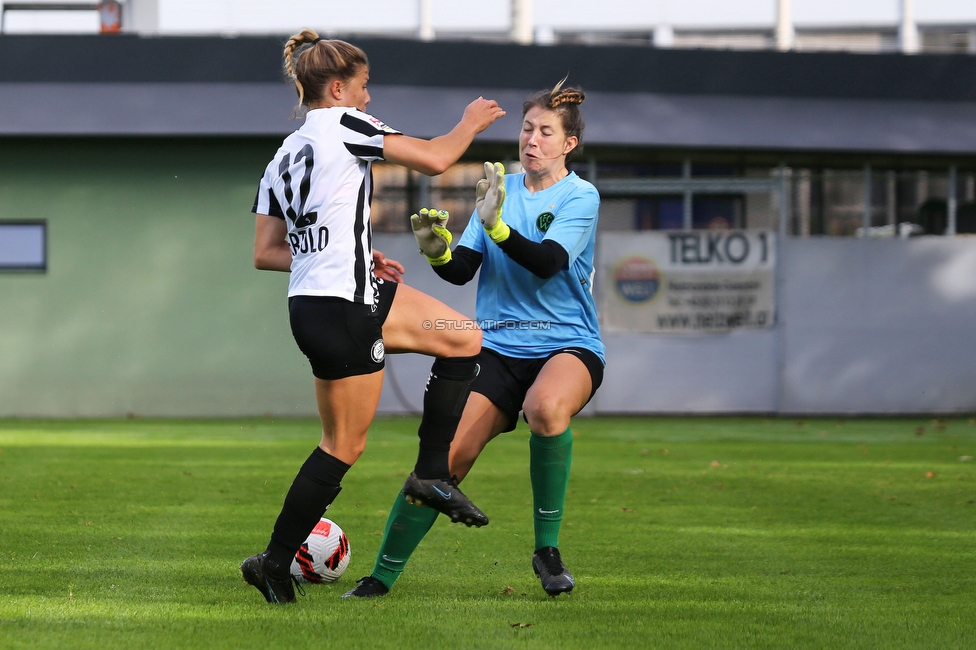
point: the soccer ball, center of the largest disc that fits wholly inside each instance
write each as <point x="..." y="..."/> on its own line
<point x="324" y="556"/>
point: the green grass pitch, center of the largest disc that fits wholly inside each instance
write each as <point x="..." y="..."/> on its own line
<point x="681" y="532"/>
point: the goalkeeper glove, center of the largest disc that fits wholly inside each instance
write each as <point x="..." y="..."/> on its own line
<point x="433" y="238"/>
<point x="489" y="197"/>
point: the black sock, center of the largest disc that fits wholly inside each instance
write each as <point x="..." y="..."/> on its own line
<point x="447" y="391"/>
<point x="312" y="492"/>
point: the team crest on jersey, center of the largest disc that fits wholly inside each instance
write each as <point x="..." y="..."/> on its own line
<point x="544" y="220"/>
<point x="378" y="351"/>
<point x="381" y="126"/>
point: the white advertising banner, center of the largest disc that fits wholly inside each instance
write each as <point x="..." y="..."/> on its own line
<point x="687" y="281"/>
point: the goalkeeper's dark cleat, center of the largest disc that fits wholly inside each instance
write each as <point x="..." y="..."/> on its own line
<point x="445" y="497"/>
<point x="548" y="565"/>
<point x="368" y="587"/>
<point x="277" y="591"/>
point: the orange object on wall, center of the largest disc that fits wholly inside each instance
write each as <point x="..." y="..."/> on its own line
<point x="110" y="16"/>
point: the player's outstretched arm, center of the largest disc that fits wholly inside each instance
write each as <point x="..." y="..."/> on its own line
<point x="435" y="156"/>
<point x="271" y="251"/>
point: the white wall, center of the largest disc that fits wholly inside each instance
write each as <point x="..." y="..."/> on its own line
<point x="287" y="16"/>
<point x="479" y="17"/>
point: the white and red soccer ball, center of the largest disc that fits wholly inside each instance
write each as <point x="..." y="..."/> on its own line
<point x="324" y="556"/>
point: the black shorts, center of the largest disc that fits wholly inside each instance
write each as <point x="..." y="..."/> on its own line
<point x="506" y="380"/>
<point x="339" y="337"/>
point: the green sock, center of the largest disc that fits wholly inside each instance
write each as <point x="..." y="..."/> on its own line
<point x="405" y="527"/>
<point x="549" y="462"/>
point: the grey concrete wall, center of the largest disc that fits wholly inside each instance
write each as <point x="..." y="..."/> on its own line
<point x="863" y="327"/>
<point x="884" y="326"/>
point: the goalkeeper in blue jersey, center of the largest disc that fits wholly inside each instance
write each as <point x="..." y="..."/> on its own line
<point x="533" y="239"/>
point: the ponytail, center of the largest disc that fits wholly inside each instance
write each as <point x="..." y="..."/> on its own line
<point x="312" y="68"/>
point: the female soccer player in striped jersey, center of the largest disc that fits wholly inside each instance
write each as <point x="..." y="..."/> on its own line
<point x="313" y="207"/>
<point x="542" y="354"/>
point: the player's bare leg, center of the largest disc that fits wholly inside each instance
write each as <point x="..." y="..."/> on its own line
<point x="423" y="324"/>
<point x="420" y="323"/>
<point x="481" y="422"/>
<point x="407" y="526"/>
<point x="346" y="407"/>
<point x="558" y="393"/>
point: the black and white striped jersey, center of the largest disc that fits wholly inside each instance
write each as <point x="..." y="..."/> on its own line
<point x="320" y="182"/>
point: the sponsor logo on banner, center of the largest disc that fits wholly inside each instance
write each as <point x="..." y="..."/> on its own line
<point x="637" y="279"/>
<point x="687" y="281"/>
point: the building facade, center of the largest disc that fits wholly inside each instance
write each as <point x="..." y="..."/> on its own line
<point x="137" y="160"/>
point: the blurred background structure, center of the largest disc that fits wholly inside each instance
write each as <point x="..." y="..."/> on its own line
<point x="132" y="136"/>
<point x="873" y="26"/>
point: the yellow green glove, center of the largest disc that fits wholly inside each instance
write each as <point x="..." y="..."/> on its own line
<point x="489" y="197"/>
<point x="432" y="236"/>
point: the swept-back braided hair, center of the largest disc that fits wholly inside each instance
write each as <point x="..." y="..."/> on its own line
<point x="313" y="62"/>
<point x="565" y="103"/>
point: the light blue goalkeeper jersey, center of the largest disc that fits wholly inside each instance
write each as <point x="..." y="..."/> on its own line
<point x="521" y="314"/>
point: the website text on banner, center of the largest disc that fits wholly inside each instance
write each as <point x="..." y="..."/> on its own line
<point x="687" y="281"/>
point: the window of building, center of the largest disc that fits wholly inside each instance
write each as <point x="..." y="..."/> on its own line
<point x="399" y="192"/>
<point x="23" y="246"/>
<point x="839" y="202"/>
<point x="666" y="195"/>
